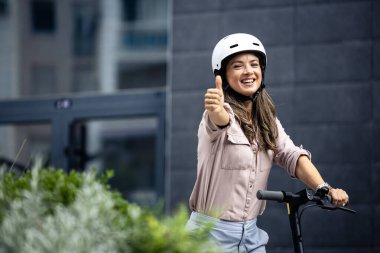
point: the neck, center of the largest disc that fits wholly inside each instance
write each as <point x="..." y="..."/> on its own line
<point x="240" y="97"/>
<point x="247" y="101"/>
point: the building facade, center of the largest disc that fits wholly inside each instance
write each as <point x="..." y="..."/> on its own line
<point x="323" y="73"/>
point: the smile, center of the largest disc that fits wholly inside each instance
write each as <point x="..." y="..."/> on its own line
<point x="248" y="82"/>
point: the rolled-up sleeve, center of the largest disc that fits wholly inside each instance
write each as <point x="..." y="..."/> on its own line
<point x="211" y="128"/>
<point x="287" y="153"/>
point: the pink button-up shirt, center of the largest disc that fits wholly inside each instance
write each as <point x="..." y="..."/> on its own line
<point x="231" y="170"/>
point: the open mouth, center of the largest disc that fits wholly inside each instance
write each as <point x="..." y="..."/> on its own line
<point x="247" y="82"/>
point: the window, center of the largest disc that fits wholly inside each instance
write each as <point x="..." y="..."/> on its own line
<point x="122" y="132"/>
<point x="129" y="10"/>
<point x="144" y="41"/>
<point x="85" y="28"/>
<point x="132" y="159"/>
<point x="23" y="143"/>
<point x="3" y="7"/>
<point x="43" y="16"/>
<point x="126" y="146"/>
<point x="144" y="24"/>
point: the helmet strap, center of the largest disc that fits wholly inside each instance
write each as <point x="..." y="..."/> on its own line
<point x="244" y="98"/>
<point x="254" y="96"/>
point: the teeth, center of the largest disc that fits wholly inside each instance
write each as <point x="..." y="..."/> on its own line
<point x="247" y="81"/>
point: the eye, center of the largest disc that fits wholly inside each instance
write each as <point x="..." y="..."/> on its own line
<point x="236" y="66"/>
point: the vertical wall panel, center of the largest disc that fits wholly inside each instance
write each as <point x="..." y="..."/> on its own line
<point x="323" y="73"/>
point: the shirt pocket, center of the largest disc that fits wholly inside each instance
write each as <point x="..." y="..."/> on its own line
<point x="266" y="160"/>
<point x="237" y="153"/>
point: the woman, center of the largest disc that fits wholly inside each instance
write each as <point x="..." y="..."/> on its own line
<point x="239" y="138"/>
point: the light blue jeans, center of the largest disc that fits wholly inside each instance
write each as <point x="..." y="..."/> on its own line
<point x="232" y="236"/>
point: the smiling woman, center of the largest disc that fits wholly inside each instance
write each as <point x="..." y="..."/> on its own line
<point x="239" y="138"/>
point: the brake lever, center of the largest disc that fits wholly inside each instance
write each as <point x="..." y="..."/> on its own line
<point x="326" y="204"/>
<point x="325" y="201"/>
<point x="349" y="210"/>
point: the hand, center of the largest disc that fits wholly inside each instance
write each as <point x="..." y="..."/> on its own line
<point x="339" y="197"/>
<point x="214" y="97"/>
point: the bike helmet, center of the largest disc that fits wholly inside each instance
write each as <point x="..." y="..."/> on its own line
<point x="236" y="43"/>
<point x="232" y="44"/>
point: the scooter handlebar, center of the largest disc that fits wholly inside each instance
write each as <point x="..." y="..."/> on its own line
<point x="301" y="197"/>
<point x="270" y="195"/>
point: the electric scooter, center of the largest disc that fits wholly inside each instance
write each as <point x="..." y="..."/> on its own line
<point x="294" y="201"/>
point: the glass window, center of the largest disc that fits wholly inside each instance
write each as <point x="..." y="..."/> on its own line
<point x="23" y="143"/>
<point x="43" y="16"/>
<point x="143" y="44"/>
<point x="126" y="146"/>
<point x="84" y="29"/>
<point x="129" y="10"/>
<point x="3" y="7"/>
<point x="103" y="46"/>
<point x="145" y="24"/>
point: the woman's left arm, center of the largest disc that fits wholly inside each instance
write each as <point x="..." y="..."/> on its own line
<point x="308" y="173"/>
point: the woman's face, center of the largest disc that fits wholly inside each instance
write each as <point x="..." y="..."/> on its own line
<point x="243" y="73"/>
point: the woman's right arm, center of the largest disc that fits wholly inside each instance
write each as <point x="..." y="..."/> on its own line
<point x="214" y="104"/>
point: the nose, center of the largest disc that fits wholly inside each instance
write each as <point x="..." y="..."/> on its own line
<point x="248" y="69"/>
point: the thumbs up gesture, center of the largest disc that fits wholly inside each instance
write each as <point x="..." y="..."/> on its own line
<point x="214" y="97"/>
<point x="214" y="101"/>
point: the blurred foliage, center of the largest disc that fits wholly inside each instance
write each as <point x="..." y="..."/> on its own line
<point x="49" y="210"/>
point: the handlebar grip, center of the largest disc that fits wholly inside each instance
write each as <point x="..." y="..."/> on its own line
<point x="270" y="195"/>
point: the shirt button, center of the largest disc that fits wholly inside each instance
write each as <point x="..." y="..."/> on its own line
<point x="250" y="186"/>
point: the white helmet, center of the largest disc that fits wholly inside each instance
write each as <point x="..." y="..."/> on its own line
<point x="235" y="43"/>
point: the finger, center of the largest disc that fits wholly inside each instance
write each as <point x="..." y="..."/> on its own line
<point x="345" y="198"/>
<point x="213" y="91"/>
<point x="218" y="83"/>
<point x="212" y="96"/>
<point x="209" y="101"/>
<point x="212" y="99"/>
<point x="339" y="197"/>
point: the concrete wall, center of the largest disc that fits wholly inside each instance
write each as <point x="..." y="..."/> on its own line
<point x="324" y="75"/>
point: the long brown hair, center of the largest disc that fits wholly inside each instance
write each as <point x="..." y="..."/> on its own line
<point x="258" y="124"/>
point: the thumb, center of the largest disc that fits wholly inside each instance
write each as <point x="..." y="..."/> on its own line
<point x="218" y="83"/>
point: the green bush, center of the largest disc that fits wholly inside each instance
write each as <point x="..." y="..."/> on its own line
<point x="48" y="210"/>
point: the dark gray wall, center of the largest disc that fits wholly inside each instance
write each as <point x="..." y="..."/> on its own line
<point x="324" y="75"/>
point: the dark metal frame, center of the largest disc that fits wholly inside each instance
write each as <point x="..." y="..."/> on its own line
<point x="63" y="112"/>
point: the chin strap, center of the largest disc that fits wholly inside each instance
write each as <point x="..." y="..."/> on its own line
<point x="243" y="98"/>
<point x="254" y="96"/>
